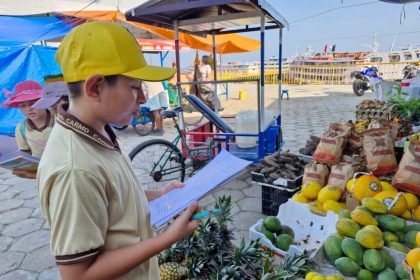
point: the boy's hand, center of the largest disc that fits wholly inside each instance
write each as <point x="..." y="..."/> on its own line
<point x="172" y="185"/>
<point x="24" y="173"/>
<point x="183" y="225"/>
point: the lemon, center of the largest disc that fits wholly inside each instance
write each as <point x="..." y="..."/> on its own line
<point x="311" y="189"/>
<point x="331" y="205"/>
<point x="387" y="186"/>
<point x="416" y="213"/>
<point x="412" y="200"/>
<point x="406" y="214"/>
<point x="300" y="198"/>
<point x="329" y="192"/>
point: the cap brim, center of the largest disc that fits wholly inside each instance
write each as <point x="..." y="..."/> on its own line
<point x="151" y="73"/>
<point x="14" y="102"/>
<point x="46" y="102"/>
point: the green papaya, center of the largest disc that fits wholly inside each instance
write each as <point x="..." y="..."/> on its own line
<point x="401" y="272"/>
<point x="365" y="274"/>
<point x="401" y="235"/>
<point x="415" y="227"/>
<point x="398" y="246"/>
<point x="347" y="266"/>
<point x="389" y="237"/>
<point x="344" y="213"/>
<point x="352" y="249"/>
<point x="390" y="222"/>
<point x="387" y="274"/>
<point x="347" y="227"/>
<point x="364" y="208"/>
<point x="410" y="239"/>
<point x="332" y="248"/>
<point x="389" y="261"/>
<point x="373" y="261"/>
<point x="374" y="205"/>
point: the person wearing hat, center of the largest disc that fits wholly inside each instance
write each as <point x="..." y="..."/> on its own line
<point x="54" y="94"/>
<point x="33" y="132"/>
<point x="94" y="204"/>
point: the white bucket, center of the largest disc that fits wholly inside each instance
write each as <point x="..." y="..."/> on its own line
<point x="246" y="122"/>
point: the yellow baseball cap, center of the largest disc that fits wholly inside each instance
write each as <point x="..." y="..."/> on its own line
<point x="105" y="48"/>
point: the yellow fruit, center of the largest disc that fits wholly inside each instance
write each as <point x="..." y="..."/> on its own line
<point x="374" y="205"/>
<point x="334" y="277"/>
<point x="366" y="186"/>
<point x="417" y="271"/>
<point x="387" y="186"/>
<point x="369" y="239"/>
<point x="406" y="214"/>
<point x="316" y="206"/>
<point x="310" y="275"/>
<point x="349" y="184"/>
<point x="387" y="198"/>
<point x="413" y="257"/>
<point x="331" y="205"/>
<point x="416" y="213"/>
<point x="418" y="239"/>
<point x="343" y="204"/>
<point x="412" y="200"/>
<point x="300" y="198"/>
<point x="329" y="192"/>
<point x="363" y="218"/>
<point x="318" y="277"/>
<point x="375" y="229"/>
<point x="311" y="189"/>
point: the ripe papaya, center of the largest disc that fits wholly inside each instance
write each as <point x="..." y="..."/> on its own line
<point x="347" y="266"/>
<point x="369" y="239"/>
<point x="332" y="248"/>
<point x="373" y="260"/>
<point x="374" y="205"/>
<point x="390" y="222"/>
<point x="375" y="229"/>
<point x="352" y="249"/>
<point x="347" y="227"/>
<point x="390" y="237"/>
<point x="363" y="218"/>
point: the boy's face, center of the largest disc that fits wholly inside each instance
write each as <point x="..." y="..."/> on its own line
<point x="29" y="112"/>
<point x="121" y="101"/>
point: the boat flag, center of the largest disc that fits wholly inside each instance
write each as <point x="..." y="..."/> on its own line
<point x="326" y="48"/>
<point x="333" y="48"/>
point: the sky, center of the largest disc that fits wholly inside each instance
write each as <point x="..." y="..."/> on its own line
<point x="350" y="29"/>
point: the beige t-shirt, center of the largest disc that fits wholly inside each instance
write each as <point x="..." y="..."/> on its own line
<point x="35" y="139"/>
<point x="91" y="197"/>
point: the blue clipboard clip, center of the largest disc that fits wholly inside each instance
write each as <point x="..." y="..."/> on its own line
<point x="204" y="214"/>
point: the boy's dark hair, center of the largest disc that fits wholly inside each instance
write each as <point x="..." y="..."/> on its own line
<point x="75" y="89"/>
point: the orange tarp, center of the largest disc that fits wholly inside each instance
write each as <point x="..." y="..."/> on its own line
<point x="225" y="43"/>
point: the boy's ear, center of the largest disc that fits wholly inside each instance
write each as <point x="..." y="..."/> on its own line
<point x="93" y="86"/>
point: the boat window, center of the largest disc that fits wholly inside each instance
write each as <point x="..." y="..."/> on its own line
<point x="418" y="55"/>
<point x="394" y="58"/>
<point x="376" y="59"/>
<point x="408" y="56"/>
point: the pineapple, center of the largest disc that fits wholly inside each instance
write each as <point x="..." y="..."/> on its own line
<point x="172" y="271"/>
<point x="293" y="267"/>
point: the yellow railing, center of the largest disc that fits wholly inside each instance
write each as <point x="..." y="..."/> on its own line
<point x="330" y="74"/>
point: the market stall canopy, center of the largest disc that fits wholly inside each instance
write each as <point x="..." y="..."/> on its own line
<point x="153" y="45"/>
<point x="203" y="16"/>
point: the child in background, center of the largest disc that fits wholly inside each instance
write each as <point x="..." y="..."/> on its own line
<point x="53" y="95"/>
<point x="32" y="133"/>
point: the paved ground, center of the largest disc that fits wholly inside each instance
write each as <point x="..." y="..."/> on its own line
<point x="24" y="236"/>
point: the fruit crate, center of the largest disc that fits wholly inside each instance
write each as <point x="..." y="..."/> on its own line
<point x="310" y="230"/>
<point x="326" y="268"/>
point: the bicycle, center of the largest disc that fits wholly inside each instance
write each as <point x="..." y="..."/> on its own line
<point x="158" y="161"/>
<point x="143" y="123"/>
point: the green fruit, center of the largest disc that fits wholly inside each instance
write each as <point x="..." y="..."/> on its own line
<point x="347" y="266"/>
<point x="371" y="239"/>
<point x="268" y="234"/>
<point x="283" y="242"/>
<point x="373" y="260"/>
<point x="364" y="208"/>
<point x="374" y="205"/>
<point x="332" y="248"/>
<point x="387" y="274"/>
<point x="410" y="239"/>
<point x="398" y="246"/>
<point x="287" y="230"/>
<point x="400" y="234"/>
<point x="365" y="274"/>
<point x="347" y="227"/>
<point x="352" y="249"/>
<point x="390" y="237"/>
<point x="272" y="224"/>
<point x="389" y="261"/>
<point x="390" y="222"/>
<point x="401" y="272"/>
<point x="344" y="213"/>
<point x="415" y="227"/>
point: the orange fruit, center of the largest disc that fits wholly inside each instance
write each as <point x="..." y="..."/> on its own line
<point x="387" y="198"/>
<point x="366" y="186"/>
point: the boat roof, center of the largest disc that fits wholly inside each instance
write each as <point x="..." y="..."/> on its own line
<point x="207" y="16"/>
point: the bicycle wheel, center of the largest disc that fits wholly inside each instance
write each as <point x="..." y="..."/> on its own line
<point x="144" y="124"/>
<point x="157" y="162"/>
<point x="191" y="116"/>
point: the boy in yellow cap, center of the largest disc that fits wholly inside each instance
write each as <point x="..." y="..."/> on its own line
<point x="91" y="198"/>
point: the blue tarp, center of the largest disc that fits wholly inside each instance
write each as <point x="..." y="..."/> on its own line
<point x="30" y="29"/>
<point x="19" y="63"/>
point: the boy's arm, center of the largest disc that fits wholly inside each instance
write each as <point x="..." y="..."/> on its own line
<point x="153" y="194"/>
<point x="115" y="263"/>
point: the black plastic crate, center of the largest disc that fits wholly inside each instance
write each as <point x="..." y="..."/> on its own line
<point x="283" y="183"/>
<point x="273" y="197"/>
